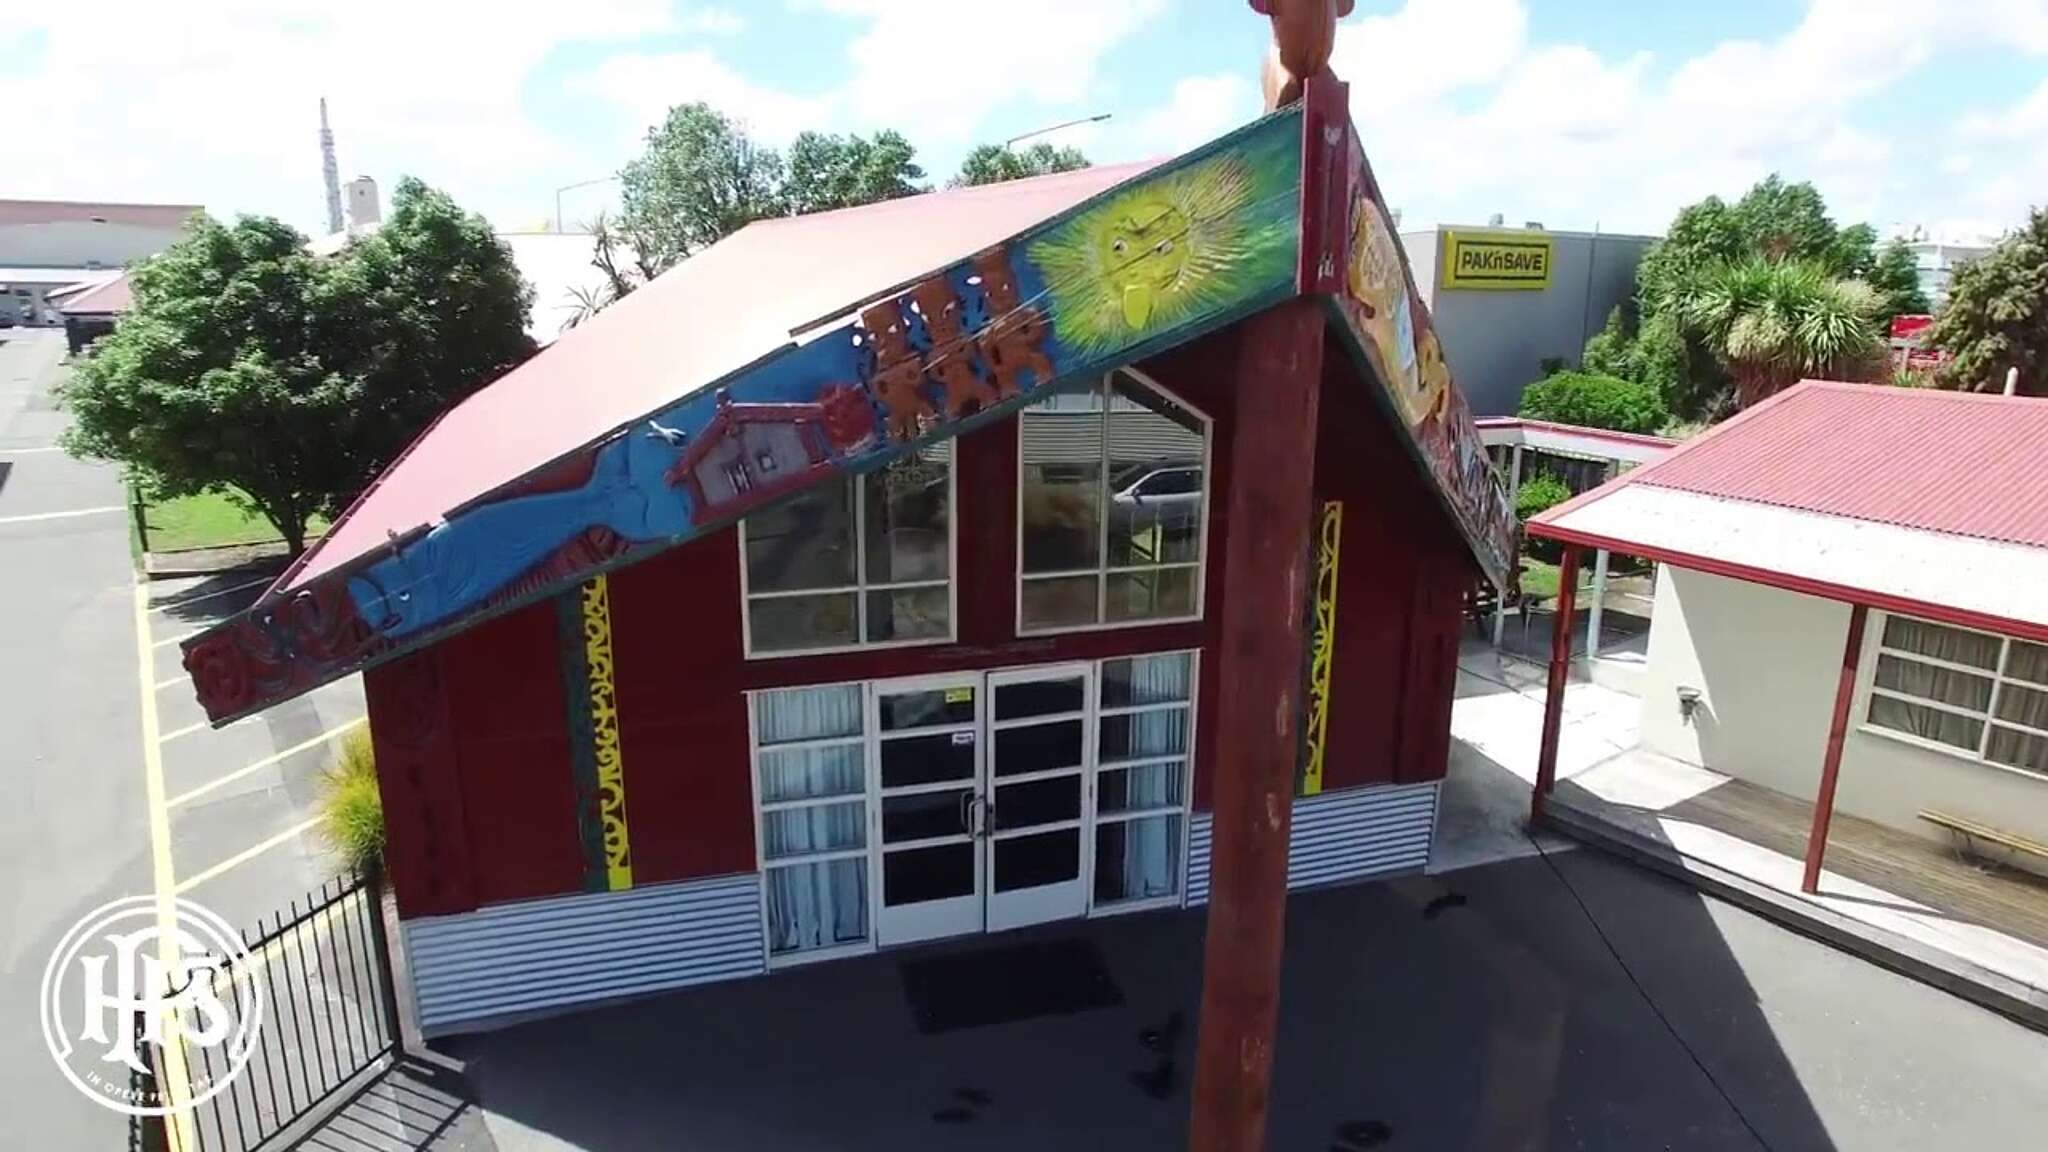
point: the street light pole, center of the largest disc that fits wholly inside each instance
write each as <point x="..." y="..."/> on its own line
<point x="571" y="188"/>
<point x="1096" y="119"/>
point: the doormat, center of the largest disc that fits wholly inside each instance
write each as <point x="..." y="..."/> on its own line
<point x="958" y="990"/>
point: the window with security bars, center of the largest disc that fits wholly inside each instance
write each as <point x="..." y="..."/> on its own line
<point x="1980" y="694"/>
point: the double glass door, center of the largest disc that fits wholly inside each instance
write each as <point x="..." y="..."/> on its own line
<point x="984" y="814"/>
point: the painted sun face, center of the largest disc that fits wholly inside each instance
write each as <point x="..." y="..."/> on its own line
<point x="1144" y="255"/>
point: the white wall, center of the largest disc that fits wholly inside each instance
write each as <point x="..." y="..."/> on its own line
<point x="82" y="243"/>
<point x="1766" y="664"/>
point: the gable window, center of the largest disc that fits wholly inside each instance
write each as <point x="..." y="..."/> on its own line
<point x="862" y="560"/>
<point x="1982" y="695"/>
<point x="1111" y="507"/>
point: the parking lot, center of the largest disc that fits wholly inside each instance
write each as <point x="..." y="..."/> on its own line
<point x="110" y="784"/>
<point x="239" y="802"/>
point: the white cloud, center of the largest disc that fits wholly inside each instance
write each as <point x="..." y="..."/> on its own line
<point x="1464" y="115"/>
<point x="1200" y="108"/>
<point x="646" y="85"/>
<point x="142" y="100"/>
<point x="992" y="53"/>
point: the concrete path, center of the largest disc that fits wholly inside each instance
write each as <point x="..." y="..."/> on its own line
<point x="1569" y="1002"/>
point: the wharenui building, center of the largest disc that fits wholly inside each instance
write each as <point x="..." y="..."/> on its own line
<point x="920" y="570"/>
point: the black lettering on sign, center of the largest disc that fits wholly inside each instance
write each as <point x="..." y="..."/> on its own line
<point x="1504" y="262"/>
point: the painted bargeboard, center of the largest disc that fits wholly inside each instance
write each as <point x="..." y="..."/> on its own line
<point x="1390" y="329"/>
<point x="1177" y="251"/>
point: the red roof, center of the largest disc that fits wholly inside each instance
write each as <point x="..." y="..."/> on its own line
<point x="717" y="312"/>
<point x="17" y="212"/>
<point x="110" y="299"/>
<point x="1960" y="463"/>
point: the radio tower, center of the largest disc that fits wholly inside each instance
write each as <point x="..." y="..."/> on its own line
<point x="330" y="171"/>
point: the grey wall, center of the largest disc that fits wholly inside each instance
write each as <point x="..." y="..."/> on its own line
<point x="1496" y="342"/>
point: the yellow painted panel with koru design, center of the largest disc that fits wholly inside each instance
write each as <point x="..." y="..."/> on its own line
<point x="604" y="729"/>
<point x="1323" y="643"/>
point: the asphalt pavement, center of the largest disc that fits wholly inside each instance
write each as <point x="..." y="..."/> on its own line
<point x="1539" y="1004"/>
<point x="83" y="802"/>
<point x="74" y="830"/>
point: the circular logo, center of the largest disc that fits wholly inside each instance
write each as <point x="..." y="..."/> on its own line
<point x="137" y="1008"/>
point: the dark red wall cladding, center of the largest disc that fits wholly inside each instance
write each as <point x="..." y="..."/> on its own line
<point x="1401" y="581"/>
<point x="484" y="808"/>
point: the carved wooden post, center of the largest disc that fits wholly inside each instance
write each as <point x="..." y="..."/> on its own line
<point x="1259" y="720"/>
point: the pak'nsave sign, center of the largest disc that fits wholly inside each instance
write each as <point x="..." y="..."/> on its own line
<point x="1503" y="261"/>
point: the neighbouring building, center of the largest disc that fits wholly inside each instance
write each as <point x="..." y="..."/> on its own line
<point x="1936" y="258"/>
<point x="50" y="246"/>
<point x="91" y="312"/>
<point x="783" y="612"/>
<point x="1897" y="534"/>
<point x="1507" y="300"/>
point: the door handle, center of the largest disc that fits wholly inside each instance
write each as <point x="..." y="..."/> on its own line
<point x="967" y="813"/>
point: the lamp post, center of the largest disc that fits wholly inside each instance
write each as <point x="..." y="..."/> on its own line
<point x="573" y="187"/>
<point x="1095" y="119"/>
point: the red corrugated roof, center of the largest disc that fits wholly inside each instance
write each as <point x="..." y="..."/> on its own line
<point x="1960" y="463"/>
<point x="110" y="299"/>
<point x="717" y="312"/>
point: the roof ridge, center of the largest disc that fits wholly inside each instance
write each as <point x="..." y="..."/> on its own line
<point x="1642" y="473"/>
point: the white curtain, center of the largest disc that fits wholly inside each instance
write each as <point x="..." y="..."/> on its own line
<point x="819" y="903"/>
<point x="1151" y="864"/>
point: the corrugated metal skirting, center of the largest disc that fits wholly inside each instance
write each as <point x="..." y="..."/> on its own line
<point x="1355" y="834"/>
<point x="477" y="968"/>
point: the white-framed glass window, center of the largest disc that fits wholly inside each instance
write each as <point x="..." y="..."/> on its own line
<point x="1976" y="693"/>
<point x="1144" y="740"/>
<point x="811" y="790"/>
<point x="1112" y="498"/>
<point x="863" y="561"/>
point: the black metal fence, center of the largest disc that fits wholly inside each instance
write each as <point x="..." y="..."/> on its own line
<point x="322" y="975"/>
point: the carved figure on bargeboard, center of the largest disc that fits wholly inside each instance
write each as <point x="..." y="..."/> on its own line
<point x="1304" y="32"/>
<point x="898" y="379"/>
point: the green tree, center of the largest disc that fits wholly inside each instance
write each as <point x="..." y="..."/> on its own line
<point x="1895" y="277"/>
<point x="1996" y="316"/>
<point x="1687" y="273"/>
<point x="700" y="179"/>
<point x="995" y="163"/>
<point x="1774" y="323"/>
<point x="1594" y="401"/>
<point x="827" y="171"/>
<point x="1781" y="221"/>
<point x="289" y="381"/>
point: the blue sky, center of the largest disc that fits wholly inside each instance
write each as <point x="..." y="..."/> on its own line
<point x="1572" y="112"/>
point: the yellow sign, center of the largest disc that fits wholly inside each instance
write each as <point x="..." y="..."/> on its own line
<point x="1501" y="261"/>
<point x="959" y="695"/>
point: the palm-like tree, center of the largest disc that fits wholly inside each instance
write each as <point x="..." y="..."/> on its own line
<point x="1774" y="323"/>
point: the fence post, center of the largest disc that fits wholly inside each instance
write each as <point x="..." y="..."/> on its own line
<point x="380" y="942"/>
<point x="146" y="1133"/>
<point x="140" y="512"/>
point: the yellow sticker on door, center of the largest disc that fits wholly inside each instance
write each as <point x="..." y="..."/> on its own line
<point x="959" y="695"/>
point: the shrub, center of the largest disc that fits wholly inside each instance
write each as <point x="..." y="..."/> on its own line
<point x="351" y="811"/>
<point x="1592" y="401"/>
<point x="1537" y="494"/>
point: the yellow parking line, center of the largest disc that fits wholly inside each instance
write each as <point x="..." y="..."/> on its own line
<point x="179" y="639"/>
<point x="267" y="761"/>
<point x="174" y="1077"/>
<point x="173" y="681"/>
<point x="246" y="855"/>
